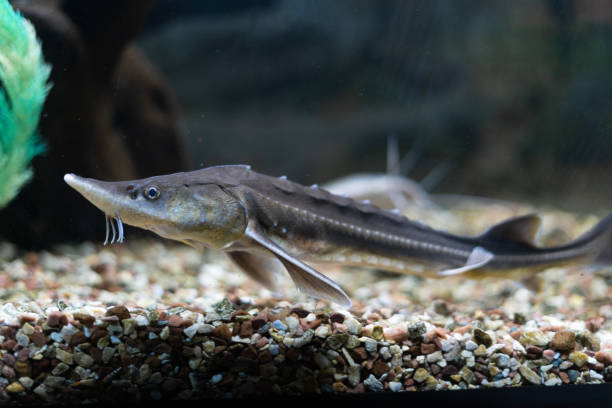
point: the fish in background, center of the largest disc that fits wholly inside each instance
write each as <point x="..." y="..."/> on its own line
<point x="395" y="192"/>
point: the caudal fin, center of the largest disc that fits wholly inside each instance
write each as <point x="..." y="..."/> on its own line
<point x="601" y="237"/>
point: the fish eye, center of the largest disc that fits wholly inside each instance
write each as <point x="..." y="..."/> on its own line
<point x="151" y="193"/>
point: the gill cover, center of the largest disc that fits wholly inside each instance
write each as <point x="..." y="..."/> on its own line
<point x="205" y="213"/>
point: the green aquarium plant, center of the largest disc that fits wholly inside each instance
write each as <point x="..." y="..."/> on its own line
<point x="23" y="89"/>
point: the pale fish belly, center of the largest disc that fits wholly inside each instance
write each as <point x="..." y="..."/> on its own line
<point x="321" y="252"/>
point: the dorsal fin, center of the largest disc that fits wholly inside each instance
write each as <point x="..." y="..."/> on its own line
<point x="520" y="230"/>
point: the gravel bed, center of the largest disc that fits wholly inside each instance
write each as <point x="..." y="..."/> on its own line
<point x="153" y="320"/>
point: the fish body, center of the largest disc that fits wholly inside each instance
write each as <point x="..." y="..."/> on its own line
<point x="266" y="224"/>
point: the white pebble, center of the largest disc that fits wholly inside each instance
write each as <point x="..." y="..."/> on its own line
<point x="395" y="386"/>
<point x="434" y="357"/>
<point x="322" y="331"/>
<point x="192" y="330"/>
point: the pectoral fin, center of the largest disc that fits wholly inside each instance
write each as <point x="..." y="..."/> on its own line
<point x="262" y="269"/>
<point x="307" y="280"/>
<point x="194" y="244"/>
<point x="478" y="258"/>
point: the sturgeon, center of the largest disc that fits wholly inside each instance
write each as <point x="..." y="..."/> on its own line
<point x="269" y="224"/>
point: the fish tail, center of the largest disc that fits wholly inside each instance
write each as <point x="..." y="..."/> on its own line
<point x="598" y="240"/>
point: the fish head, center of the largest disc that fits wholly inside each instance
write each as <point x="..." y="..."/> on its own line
<point x="172" y="206"/>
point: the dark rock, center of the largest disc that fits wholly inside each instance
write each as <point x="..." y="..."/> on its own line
<point x="84" y="319"/>
<point x="56" y="318"/>
<point x="481" y="337"/>
<point x="38" y="338"/>
<point x="120" y="311"/>
<point x="78" y="338"/>
<point x="533" y="350"/>
<point x="428" y="348"/>
<point x="223" y="332"/>
<point x="259" y="321"/>
<point x="336" y="318"/>
<point x="449" y="370"/>
<point x="379" y="368"/>
<point x="359" y="354"/>
<point x="563" y="340"/>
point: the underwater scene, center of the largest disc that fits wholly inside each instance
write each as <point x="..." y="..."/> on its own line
<point x="343" y="200"/>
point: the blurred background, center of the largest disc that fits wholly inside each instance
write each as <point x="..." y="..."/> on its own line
<point x="500" y="99"/>
<point x="514" y="98"/>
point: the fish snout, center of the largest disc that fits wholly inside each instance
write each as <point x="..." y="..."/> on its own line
<point x="95" y="191"/>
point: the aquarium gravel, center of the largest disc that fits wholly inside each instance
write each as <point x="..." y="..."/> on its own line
<point x="154" y="320"/>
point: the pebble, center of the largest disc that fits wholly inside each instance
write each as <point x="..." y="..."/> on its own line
<point x="371" y="346"/>
<point x="129" y="326"/>
<point x="377" y="332"/>
<point x="468" y="375"/>
<point x="548" y="354"/>
<point x="322" y="331"/>
<point x="339" y="387"/>
<point x="480" y="351"/>
<point x="534" y="338"/>
<point x="354" y="375"/>
<point x="53" y="381"/>
<point x="450" y="344"/>
<point x="164" y="333"/>
<point x="278" y="325"/>
<point x="27" y="382"/>
<point x="420" y="375"/>
<point x="553" y="381"/>
<point x="563" y="340"/>
<point x="191" y="331"/>
<point x="64" y="356"/>
<point x="434" y="357"/>
<point x="290" y="347"/>
<point x="533" y="350"/>
<point x="60" y="368"/>
<point x="120" y="311"/>
<point x="84" y="360"/>
<point x="588" y="340"/>
<point x="14" y="388"/>
<point x="395" y="386"/>
<point x="373" y="384"/>
<point x="604" y="357"/>
<point x="353" y="326"/>
<point x="529" y="375"/>
<point x="573" y="375"/>
<point x="56" y="318"/>
<point x="335" y="341"/>
<point x="27" y="329"/>
<point x="292" y="323"/>
<point x="483" y="338"/>
<point x="502" y="360"/>
<point x="22" y="339"/>
<point x="416" y="330"/>
<point x="578" y="358"/>
<point x="396" y="333"/>
<point x="470" y="345"/>
<point x="321" y="360"/>
<point x="595" y="375"/>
